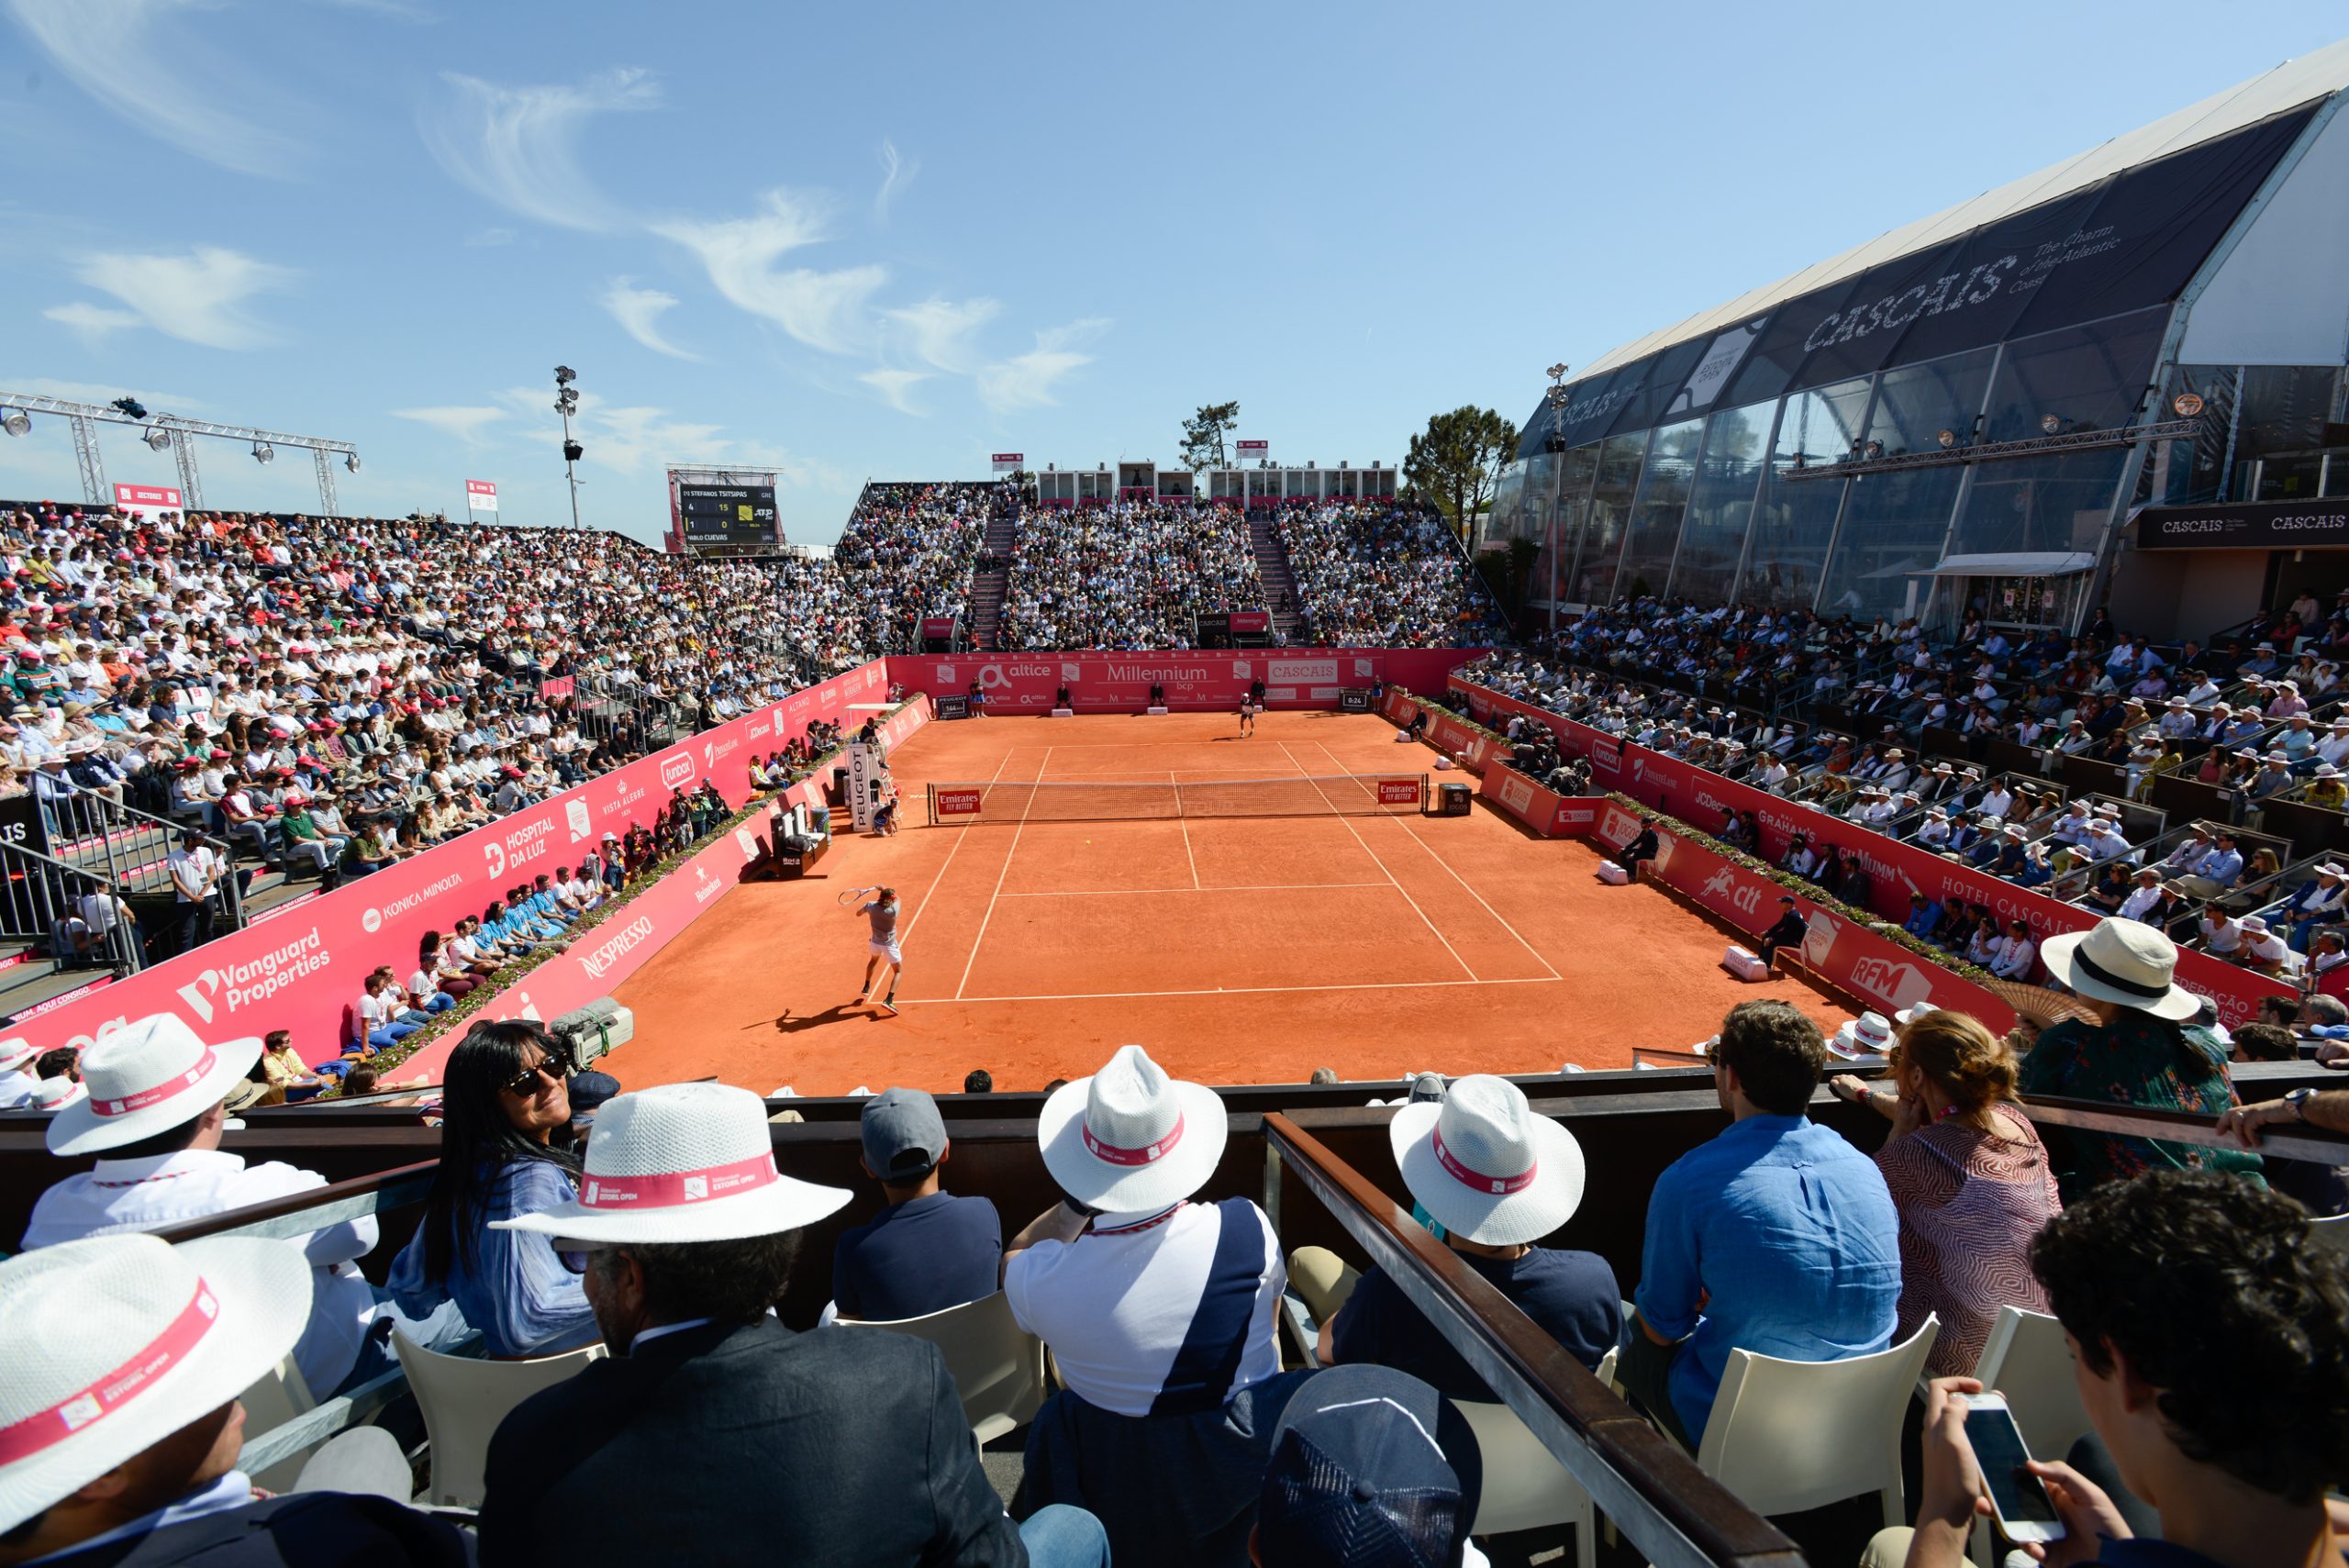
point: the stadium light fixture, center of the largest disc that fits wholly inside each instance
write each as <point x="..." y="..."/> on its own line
<point x="157" y="439"/>
<point x="564" y="375"/>
<point x="15" y="421"/>
<point x="351" y="462"/>
<point x="263" y="451"/>
<point x="2051" y="423"/>
<point x="1948" y="439"/>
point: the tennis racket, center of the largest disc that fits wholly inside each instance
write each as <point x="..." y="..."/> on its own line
<point x="853" y="894"/>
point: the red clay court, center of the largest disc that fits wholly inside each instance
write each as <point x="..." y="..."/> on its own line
<point x="1238" y="949"/>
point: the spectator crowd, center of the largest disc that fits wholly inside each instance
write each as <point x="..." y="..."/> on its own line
<point x="1380" y="575"/>
<point x="1128" y="574"/>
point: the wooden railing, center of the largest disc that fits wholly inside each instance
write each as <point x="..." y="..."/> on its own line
<point x="1671" y="1511"/>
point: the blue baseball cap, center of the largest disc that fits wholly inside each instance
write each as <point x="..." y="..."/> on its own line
<point x="1370" y="1468"/>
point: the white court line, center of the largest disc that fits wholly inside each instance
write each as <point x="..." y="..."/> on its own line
<point x="1186" y="828"/>
<point x="1227" y="991"/>
<point x="1040" y="768"/>
<point x="1382" y="867"/>
<point x="948" y="861"/>
<point x="1248" y="887"/>
<point x="1462" y="881"/>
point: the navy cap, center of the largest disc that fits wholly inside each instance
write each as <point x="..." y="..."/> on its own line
<point x="904" y="1135"/>
<point x="588" y="1092"/>
<point x="1370" y="1468"/>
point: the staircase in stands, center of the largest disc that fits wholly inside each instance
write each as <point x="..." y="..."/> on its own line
<point x="989" y="586"/>
<point x="1279" y="578"/>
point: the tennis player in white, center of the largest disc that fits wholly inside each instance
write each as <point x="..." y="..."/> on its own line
<point x="882" y="950"/>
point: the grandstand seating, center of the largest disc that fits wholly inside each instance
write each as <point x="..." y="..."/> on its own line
<point x="1752" y="698"/>
<point x="434" y="676"/>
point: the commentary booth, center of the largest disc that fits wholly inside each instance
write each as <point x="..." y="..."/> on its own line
<point x="1318" y="1159"/>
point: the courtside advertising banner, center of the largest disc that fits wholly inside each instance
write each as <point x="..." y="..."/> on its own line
<point x="302" y="968"/>
<point x="1894" y="869"/>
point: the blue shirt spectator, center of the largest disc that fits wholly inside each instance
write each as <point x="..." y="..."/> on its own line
<point x="1787" y="1235"/>
<point x="1571" y="1297"/>
<point x="514" y="1291"/>
<point x="919" y="1257"/>
<point x="1924" y="916"/>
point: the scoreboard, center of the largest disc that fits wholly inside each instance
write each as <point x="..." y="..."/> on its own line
<point x="727" y="514"/>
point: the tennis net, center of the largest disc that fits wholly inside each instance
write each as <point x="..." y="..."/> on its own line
<point x="1337" y="794"/>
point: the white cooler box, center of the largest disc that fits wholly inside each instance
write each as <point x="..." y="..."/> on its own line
<point x="1612" y="874"/>
<point x="590" y="1031"/>
<point x="1743" y="964"/>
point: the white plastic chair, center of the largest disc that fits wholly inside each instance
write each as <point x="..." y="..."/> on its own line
<point x="463" y="1399"/>
<point x="2333" y="1230"/>
<point x="1525" y="1486"/>
<point x="2024" y="1359"/>
<point x="997" y="1367"/>
<point x="1790" y="1436"/>
<point x="276" y="1399"/>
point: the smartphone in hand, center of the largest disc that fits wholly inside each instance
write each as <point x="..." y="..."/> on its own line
<point x="2024" y="1511"/>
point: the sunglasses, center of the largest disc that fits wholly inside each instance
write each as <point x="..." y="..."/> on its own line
<point x="525" y="1081"/>
<point x="574" y="1261"/>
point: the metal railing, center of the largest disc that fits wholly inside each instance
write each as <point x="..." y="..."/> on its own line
<point x="132" y="849"/>
<point x="39" y="894"/>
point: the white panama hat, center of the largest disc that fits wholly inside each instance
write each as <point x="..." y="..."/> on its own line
<point x="16" y="1054"/>
<point x="123" y="1339"/>
<point x="1486" y="1165"/>
<point x="682" y="1163"/>
<point x="56" y="1092"/>
<point x="1130" y="1140"/>
<point x="2124" y="962"/>
<point x="145" y="1077"/>
<point x="1870" y="1034"/>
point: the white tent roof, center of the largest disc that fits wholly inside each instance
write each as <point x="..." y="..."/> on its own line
<point x="2014" y="563"/>
<point x="2295" y="81"/>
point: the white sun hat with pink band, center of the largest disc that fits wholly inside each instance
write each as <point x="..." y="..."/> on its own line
<point x="119" y="1341"/>
<point x="145" y="1078"/>
<point x="1129" y="1139"/>
<point x="682" y="1163"/>
<point x="1486" y="1165"/>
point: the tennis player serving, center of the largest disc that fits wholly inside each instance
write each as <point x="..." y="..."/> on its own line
<point x="882" y="950"/>
<point x="1247" y="713"/>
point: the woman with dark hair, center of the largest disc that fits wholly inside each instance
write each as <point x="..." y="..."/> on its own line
<point x="504" y="1151"/>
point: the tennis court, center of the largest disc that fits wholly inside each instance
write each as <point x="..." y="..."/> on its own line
<point x="1249" y="909"/>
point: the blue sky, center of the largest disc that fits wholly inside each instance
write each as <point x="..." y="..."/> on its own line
<point x="884" y="241"/>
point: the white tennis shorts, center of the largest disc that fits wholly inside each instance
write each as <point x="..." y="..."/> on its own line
<point x="886" y="949"/>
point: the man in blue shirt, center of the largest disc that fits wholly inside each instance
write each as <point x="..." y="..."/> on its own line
<point x="928" y="1250"/>
<point x="1778" y="1237"/>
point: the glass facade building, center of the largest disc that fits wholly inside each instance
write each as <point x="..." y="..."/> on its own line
<point x="1991" y="405"/>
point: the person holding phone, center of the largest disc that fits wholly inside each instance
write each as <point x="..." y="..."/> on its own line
<point x="2210" y="1337"/>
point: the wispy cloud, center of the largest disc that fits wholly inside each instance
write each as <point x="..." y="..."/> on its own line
<point x="1027" y="381"/>
<point x="107" y="48"/>
<point x="941" y="332"/>
<point x="894" y="385"/>
<point x="896" y="174"/>
<point x="469" y="425"/>
<point x="824" y="310"/>
<point x="95" y="323"/>
<point x="199" y="297"/>
<point x="639" y="313"/>
<point x="519" y="146"/>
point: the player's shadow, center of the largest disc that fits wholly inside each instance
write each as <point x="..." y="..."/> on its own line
<point x="837" y="1013"/>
